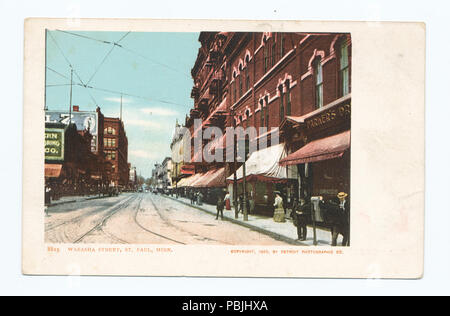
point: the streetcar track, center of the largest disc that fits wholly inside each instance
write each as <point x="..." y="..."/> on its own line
<point x="105" y="219"/>
<point x="169" y="223"/>
<point x="147" y="230"/>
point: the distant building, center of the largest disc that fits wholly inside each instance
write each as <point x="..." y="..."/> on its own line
<point x="162" y="174"/>
<point x="132" y="182"/>
<point x="116" y="150"/>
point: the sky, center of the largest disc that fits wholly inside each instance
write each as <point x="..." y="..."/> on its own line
<point x="151" y="69"/>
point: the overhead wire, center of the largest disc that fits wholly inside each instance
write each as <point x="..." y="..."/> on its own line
<point x="129" y="50"/>
<point x="87" y="86"/>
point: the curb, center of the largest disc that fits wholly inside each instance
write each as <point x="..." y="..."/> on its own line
<point x="252" y="227"/>
<point x="73" y="201"/>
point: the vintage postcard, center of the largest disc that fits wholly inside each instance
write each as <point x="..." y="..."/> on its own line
<point x="223" y="148"/>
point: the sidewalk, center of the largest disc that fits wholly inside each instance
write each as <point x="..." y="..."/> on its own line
<point x="266" y="225"/>
<point x="74" y="199"/>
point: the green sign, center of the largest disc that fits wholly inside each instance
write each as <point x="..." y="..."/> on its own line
<point x="54" y="144"/>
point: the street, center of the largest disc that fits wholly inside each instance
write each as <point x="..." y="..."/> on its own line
<point x="143" y="218"/>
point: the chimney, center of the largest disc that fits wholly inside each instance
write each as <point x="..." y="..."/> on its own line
<point x="76" y="108"/>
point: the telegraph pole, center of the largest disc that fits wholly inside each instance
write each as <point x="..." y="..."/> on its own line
<point x="121" y="107"/>
<point x="70" y="100"/>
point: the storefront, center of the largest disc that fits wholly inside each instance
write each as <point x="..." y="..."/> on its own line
<point x="263" y="177"/>
<point x="323" y="157"/>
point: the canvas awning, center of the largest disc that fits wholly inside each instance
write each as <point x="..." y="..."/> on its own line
<point x="203" y="178"/>
<point x="187" y="182"/>
<point x="52" y="170"/>
<point x="321" y="149"/>
<point x="263" y="166"/>
<point x="210" y="179"/>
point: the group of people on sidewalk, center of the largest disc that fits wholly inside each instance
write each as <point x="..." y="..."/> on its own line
<point x="196" y="197"/>
<point x="336" y="214"/>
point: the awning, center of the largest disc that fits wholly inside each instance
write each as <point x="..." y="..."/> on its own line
<point x="52" y="170"/>
<point x="187" y="182"/>
<point x="200" y="181"/>
<point x="321" y="149"/>
<point x="214" y="178"/>
<point x="217" y="179"/>
<point x="263" y="166"/>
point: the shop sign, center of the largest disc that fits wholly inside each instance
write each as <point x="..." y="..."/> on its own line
<point x="329" y="117"/>
<point x="187" y="169"/>
<point x="83" y="120"/>
<point x="54" y="144"/>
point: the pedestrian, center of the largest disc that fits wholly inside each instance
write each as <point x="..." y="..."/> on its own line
<point x="220" y="205"/>
<point x="344" y="206"/>
<point x="300" y="217"/>
<point x="199" y="198"/>
<point x="278" y="214"/>
<point x="251" y="204"/>
<point x="227" y="201"/>
<point x="241" y="204"/>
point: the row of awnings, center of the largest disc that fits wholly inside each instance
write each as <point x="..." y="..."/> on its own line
<point x="214" y="178"/>
<point x="269" y="164"/>
<point x="56" y="170"/>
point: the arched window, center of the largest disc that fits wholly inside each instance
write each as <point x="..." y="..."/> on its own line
<point x="247" y="75"/>
<point x="234" y="87"/>
<point x="273" y="52"/>
<point x="318" y="76"/>
<point x="261" y="103"/>
<point x="240" y="81"/>
<point x="266" y="99"/>
<point x="266" y="57"/>
<point x="110" y="131"/>
<point x="288" y="97"/>
<point x="281" y="45"/>
<point x="344" y="76"/>
<point x="280" y="88"/>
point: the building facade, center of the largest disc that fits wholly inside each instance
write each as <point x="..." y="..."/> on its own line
<point x="115" y="144"/>
<point x="297" y="84"/>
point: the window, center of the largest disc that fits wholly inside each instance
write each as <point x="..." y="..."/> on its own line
<point x="281" y="45"/>
<point x="262" y="112"/>
<point x="247" y="79"/>
<point x="110" y="154"/>
<point x="344" y="69"/>
<point x="288" y="98"/>
<point x="318" y="82"/>
<point x="110" y="131"/>
<point x="234" y="90"/>
<point x="273" y="53"/>
<point x="110" y="142"/>
<point x="281" y="103"/>
<point x="240" y="85"/>
<point x="267" y="110"/>
<point x="266" y="57"/>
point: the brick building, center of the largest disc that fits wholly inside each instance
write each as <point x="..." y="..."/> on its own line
<point x="296" y="83"/>
<point x="115" y="144"/>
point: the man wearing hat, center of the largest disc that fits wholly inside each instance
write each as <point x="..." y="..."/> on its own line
<point x="344" y="206"/>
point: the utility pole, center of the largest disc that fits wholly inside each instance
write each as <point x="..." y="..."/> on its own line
<point x="70" y="100"/>
<point x="244" y="180"/>
<point x="121" y="107"/>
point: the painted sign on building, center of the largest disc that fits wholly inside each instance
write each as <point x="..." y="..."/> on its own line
<point x="54" y="144"/>
<point x="83" y="121"/>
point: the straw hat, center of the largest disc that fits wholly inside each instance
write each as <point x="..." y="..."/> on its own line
<point x="342" y="195"/>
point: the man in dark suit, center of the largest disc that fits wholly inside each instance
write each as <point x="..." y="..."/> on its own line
<point x="344" y="220"/>
<point x="220" y="205"/>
